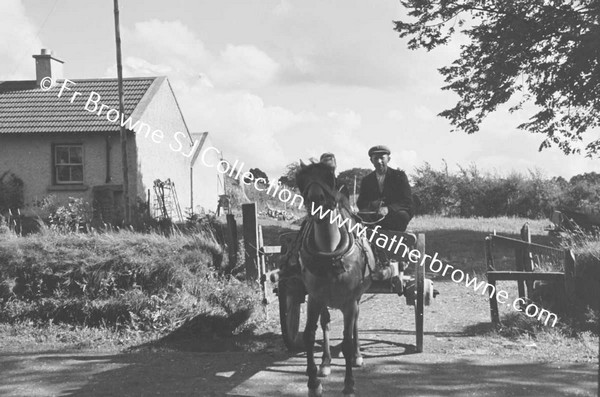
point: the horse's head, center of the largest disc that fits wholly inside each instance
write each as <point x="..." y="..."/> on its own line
<point x="316" y="182"/>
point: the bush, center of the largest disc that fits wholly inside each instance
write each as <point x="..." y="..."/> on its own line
<point x="471" y="193"/>
<point x="72" y="216"/>
<point x="11" y="192"/>
<point x="122" y="280"/>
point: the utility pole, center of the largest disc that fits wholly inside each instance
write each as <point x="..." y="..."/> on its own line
<point x="123" y="132"/>
<point x="354" y="195"/>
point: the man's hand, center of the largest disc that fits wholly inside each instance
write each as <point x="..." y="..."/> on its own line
<point x="376" y="204"/>
<point x="383" y="211"/>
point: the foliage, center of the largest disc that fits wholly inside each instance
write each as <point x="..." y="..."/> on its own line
<point x="584" y="191"/>
<point x="586" y="248"/>
<point x="4" y="228"/>
<point x="258" y="173"/>
<point x="436" y="190"/>
<point x="11" y="192"/>
<point x="289" y="178"/>
<point x="537" y="51"/>
<point x="71" y="216"/>
<point x="347" y="177"/>
<point x="120" y="280"/>
<point x="471" y="193"/>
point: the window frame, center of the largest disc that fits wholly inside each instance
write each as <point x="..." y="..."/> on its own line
<point x="55" y="164"/>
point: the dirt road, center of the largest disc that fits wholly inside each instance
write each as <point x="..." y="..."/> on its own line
<point x="455" y="362"/>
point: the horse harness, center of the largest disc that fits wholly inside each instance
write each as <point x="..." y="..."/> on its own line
<point x="334" y="263"/>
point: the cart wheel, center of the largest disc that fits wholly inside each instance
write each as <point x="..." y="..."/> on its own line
<point x="289" y="315"/>
<point x="420" y="284"/>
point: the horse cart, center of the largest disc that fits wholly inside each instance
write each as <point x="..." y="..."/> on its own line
<point x="335" y="267"/>
<point x="417" y="290"/>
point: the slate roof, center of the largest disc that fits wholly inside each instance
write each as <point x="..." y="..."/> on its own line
<point x="25" y="108"/>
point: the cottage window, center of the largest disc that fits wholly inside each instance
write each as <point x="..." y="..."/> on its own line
<point x="68" y="164"/>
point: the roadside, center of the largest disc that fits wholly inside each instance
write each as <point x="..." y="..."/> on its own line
<point x="475" y="362"/>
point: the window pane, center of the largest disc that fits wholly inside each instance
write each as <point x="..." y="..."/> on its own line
<point x="62" y="174"/>
<point x="62" y="155"/>
<point x="76" y="155"/>
<point x="77" y="173"/>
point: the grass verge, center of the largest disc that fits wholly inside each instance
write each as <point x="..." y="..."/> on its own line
<point x="120" y="281"/>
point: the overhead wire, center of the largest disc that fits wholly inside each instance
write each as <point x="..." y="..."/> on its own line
<point x="37" y="36"/>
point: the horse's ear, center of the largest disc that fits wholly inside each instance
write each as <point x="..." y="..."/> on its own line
<point x="302" y="165"/>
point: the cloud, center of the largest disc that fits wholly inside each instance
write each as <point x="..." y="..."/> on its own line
<point x="283" y="8"/>
<point x="134" y="66"/>
<point x="354" y="45"/>
<point x="214" y="91"/>
<point x="424" y="113"/>
<point x="244" y="65"/>
<point x="19" y="42"/>
<point x="395" y="115"/>
<point x="172" y="48"/>
<point x="408" y="158"/>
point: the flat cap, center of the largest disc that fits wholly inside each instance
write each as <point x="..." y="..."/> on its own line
<point x="326" y="156"/>
<point x="379" y="149"/>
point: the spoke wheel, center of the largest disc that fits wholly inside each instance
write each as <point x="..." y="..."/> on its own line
<point x="289" y="315"/>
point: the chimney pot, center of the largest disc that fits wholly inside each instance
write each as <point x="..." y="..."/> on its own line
<point x="46" y="65"/>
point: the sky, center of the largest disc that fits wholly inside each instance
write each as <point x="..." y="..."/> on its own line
<point x="274" y="81"/>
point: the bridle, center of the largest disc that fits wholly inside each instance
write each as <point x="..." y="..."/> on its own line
<point x="330" y="196"/>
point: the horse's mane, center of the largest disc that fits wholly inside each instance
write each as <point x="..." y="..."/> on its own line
<point x="324" y="174"/>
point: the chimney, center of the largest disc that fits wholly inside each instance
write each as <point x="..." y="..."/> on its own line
<point x="47" y="66"/>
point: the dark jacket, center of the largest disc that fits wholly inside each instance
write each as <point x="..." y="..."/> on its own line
<point x="396" y="192"/>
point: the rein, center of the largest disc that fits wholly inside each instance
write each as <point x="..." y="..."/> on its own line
<point x="358" y="215"/>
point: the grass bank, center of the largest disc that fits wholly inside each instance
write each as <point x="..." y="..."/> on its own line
<point x="120" y="281"/>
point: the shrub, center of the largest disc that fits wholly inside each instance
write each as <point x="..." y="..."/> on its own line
<point x="72" y="216"/>
<point x="122" y="280"/>
<point x="472" y="193"/>
<point x="11" y="192"/>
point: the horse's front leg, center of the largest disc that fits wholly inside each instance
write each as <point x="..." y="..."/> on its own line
<point x="358" y="359"/>
<point x="325" y="367"/>
<point x="350" y="313"/>
<point x="313" y="311"/>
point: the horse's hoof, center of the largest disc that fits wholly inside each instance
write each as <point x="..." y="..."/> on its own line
<point x="348" y="392"/>
<point x="358" y="362"/>
<point x="324" y="370"/>
<point x="318" y="392"/>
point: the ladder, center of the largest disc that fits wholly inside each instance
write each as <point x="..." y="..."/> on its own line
<point x="166" y="202"/>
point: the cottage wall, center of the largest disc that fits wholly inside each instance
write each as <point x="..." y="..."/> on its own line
<point x="29" y="156"/>
<point x="208" y="183"/>
<point x="159" y="149"/>
<point x="164" y="152"/>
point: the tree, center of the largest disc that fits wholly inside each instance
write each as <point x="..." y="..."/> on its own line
<point x="584" y="190"/>
<point x="284" y="180"/>
<point x="258" y="173"/>
<point x="347" y="178"/>
<point x="545" y="52"/>
<point x="593" y="178"/>
<point x="289" y="178"/>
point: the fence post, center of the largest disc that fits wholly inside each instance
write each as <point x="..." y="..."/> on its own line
<point x="489" y="244"/>
<point x="570" y="279"/>
<point x="250" y="241"/>
<point x="419" y="278"/>
<point x="489" y="258"/>
<point x="233" y="241"/>
<point x="527" y="257"/>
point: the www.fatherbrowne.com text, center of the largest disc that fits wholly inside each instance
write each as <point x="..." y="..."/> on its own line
<point x="435" y="265"/>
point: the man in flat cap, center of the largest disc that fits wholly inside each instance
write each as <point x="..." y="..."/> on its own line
<point x="386" y="193"/>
